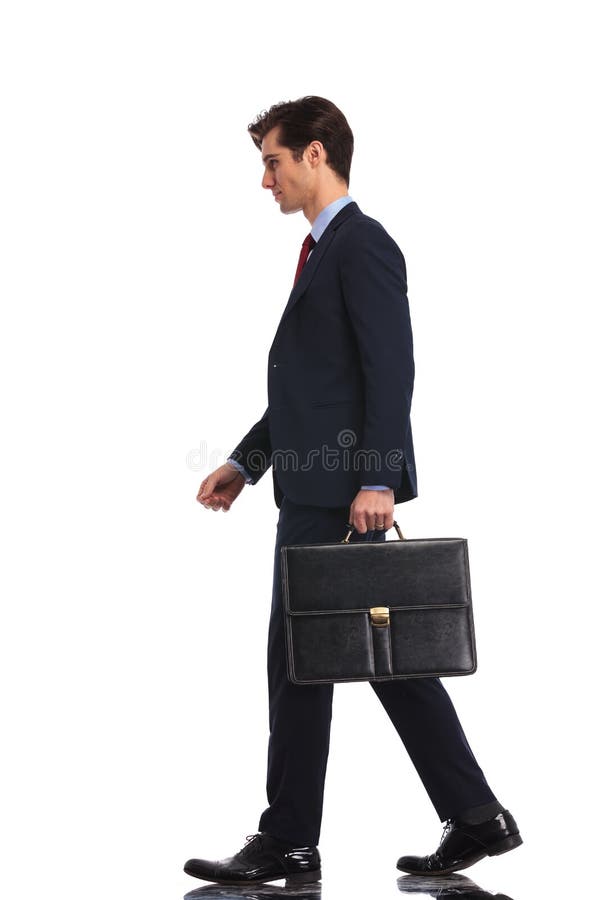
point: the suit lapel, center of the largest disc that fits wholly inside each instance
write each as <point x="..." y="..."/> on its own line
<point x="315" y="258"/>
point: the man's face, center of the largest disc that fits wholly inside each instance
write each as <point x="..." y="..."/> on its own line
<point x="291" y="182"/>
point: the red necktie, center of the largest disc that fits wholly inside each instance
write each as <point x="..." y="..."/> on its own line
<point x="307" y="245"/>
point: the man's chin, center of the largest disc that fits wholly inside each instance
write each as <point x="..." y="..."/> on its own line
<point x="287" y="209"/>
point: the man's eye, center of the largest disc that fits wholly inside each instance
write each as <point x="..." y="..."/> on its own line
<point x="272" y="163"/>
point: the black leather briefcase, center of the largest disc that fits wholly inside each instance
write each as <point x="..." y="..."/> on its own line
<point x="377" y="611"/>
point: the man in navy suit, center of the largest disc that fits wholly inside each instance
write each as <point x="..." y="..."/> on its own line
<point x="337" y="436"/>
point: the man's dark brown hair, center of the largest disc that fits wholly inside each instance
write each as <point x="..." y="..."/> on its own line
<point x="305" y="120"/>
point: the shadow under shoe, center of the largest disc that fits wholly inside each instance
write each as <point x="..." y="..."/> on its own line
<point x="462" y="845"/>
<point x="262" y="858"/>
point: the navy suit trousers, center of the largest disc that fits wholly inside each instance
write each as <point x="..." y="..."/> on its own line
<point x="300" y="715"/>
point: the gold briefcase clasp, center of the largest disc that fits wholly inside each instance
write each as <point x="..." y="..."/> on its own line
<point x="380" y="616"/>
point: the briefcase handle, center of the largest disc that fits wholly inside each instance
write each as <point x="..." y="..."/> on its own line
<point x="350" y="528"/>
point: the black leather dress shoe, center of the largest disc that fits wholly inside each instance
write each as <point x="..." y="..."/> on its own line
<point x="462" y="845"/>
<point x="263" y="858"/>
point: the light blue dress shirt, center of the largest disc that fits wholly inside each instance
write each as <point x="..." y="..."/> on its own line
<point x="319" y="226"/>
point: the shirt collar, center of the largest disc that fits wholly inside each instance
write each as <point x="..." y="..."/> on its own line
<point x="327" y="214"/>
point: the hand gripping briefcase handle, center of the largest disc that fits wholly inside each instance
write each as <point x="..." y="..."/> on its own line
<point x="346" y="540"/>
<point x="377" y="611"/>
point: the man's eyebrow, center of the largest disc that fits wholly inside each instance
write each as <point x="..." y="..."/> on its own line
<point x="269" y="156"/>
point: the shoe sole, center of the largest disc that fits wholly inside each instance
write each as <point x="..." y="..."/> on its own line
<point x="290" y="878"/>
<point x="503" y="846"/>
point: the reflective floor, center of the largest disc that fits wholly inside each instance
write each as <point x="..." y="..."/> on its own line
<point x="417" y="886"/>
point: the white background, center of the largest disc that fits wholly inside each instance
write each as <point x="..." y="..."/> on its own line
<point x="144" y="271"/>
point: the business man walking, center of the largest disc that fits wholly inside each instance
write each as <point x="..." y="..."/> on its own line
<point x="337" y="436"/>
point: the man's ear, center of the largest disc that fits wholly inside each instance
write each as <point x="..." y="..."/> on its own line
<point x="315" y="154"/>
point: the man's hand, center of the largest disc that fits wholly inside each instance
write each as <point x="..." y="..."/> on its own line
<point x="220" y="488"/>
<point x="372" y="509"/>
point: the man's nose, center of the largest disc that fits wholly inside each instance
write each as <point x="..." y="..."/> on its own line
<point x="268" y="180"/>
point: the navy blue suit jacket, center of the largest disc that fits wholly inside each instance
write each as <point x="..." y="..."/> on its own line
<point x="340" y="374"/>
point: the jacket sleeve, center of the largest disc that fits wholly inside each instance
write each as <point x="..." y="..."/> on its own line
<point x="373" y="276"/>
<point x="254" y="450"/>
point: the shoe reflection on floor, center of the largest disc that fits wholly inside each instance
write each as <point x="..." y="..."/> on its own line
<point x="445" y="886"/>
<point x="257" y="892"/>
<point x="450" y="886"/>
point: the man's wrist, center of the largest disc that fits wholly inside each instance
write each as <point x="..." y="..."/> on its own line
<point x="239" y="469"/>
